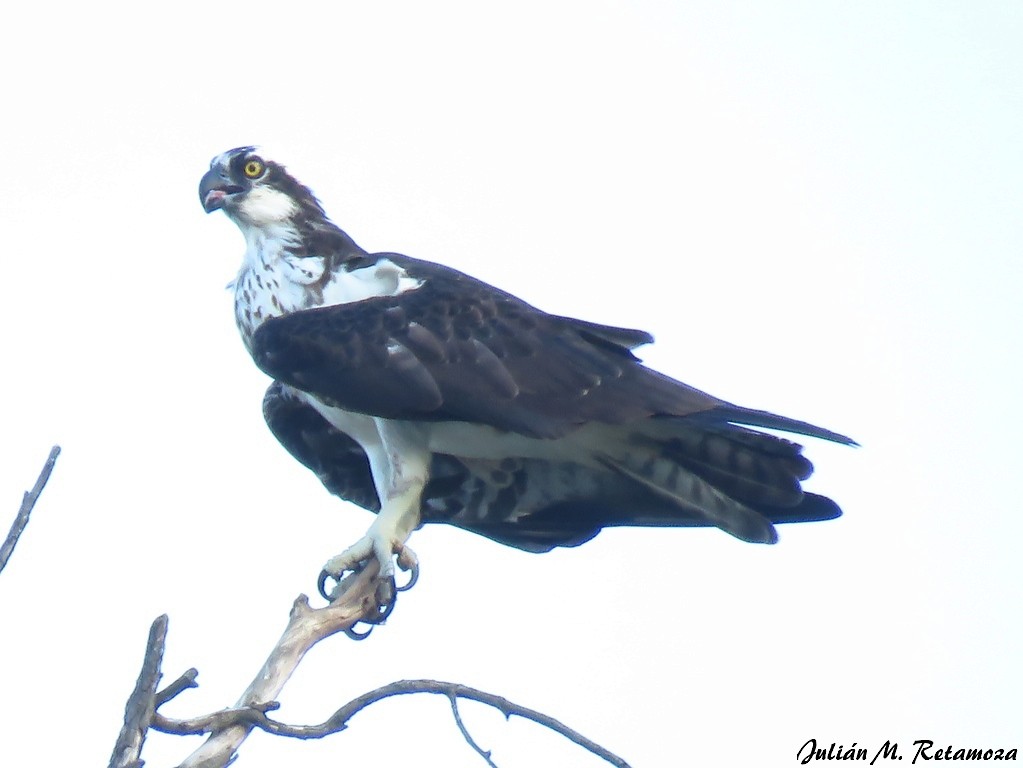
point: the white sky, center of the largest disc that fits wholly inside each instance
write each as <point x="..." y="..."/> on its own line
<point x="815" y="206"/>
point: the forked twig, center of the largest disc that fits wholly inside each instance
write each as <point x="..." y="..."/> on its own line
<point x="254" y="716"/>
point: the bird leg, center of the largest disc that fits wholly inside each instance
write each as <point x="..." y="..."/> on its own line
<point x="384" y="539"/>
<point x="399" y="460"/>
<point x="399" y="464"/>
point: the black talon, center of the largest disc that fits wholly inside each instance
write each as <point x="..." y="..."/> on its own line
<point x="321" y="585"/>
<point x="412" y="579"/>
<point x="321" y="581"/>
<point x="355" y="635"/>
<point x="386" y="597"/>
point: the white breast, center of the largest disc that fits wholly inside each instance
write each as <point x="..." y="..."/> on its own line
<point x="274" y="282"/>
<point x="269" y="286"/>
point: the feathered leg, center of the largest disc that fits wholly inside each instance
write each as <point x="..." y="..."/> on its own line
<point x="399" y="460"/>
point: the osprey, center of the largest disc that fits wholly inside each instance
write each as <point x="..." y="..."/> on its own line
<point x="427" y="396"/>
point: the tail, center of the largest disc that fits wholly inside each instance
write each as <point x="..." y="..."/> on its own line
<point x="712" y="471"/>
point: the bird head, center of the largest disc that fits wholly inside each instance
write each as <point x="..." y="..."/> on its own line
<point x="252" y="190"/>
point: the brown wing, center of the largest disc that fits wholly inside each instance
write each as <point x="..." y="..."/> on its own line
<point x="458" y="349"/>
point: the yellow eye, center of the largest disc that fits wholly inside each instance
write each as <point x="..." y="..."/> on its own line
<point x="254" y="169"/>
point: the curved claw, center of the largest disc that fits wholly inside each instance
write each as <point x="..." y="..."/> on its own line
<point x="321" y="586"/>
<point x="412" y="579"/>
<point x="386" y="598"/>
<point x="356" y="635"/>
<point x="384" y="605"/>
<point x="325" y="575"/>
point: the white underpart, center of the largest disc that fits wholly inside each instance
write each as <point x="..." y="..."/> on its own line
<point x="399" y="454"/>
<point x="271" y="282"/>
<point x="582" y="446"/>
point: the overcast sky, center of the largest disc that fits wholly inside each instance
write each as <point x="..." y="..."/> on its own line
<point x="814" y="206"/>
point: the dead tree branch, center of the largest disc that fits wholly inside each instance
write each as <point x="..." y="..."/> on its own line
<point x="27" y="504"/>
<point x="138" y="712"/>
<point x="254" y="716"/>
<point x="485" y="754"/>
<point x="306" y="627"/>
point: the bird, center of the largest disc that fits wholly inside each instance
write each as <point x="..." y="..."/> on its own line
<point x="425" y="395"/>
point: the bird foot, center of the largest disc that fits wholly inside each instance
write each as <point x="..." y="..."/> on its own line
<point x="340" y="570"/>
<point x="382" y="541"/>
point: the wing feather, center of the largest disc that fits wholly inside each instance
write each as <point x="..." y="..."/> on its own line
<point x="458" y="349"/>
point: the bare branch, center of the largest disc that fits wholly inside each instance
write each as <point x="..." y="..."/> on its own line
<point x="306" y="627"/>
<point x="183" y="683"/>
<point x="339" y="720"/>
<point x="138" y="712"/>
<point x="254" y="716"/>
<point x="485" y="754"/>
<point x="27" y="504"/>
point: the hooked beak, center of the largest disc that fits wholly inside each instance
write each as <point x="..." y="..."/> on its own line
<point x="214" y="189"/>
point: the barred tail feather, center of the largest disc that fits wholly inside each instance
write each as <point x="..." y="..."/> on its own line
<point x="721" y="474"/>
<point x="693" y="493"/>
